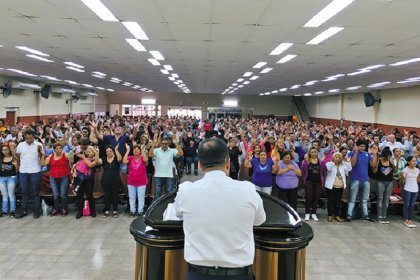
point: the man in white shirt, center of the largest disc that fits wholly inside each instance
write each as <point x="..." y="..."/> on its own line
<point x="219" y="214"/>
<point x="164" y="157"/>
<point x="29" y="153"/>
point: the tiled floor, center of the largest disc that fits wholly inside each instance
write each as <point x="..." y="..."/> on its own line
<point x="99" y="248"/>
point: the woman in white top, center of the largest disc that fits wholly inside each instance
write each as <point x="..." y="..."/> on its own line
<point x="410" y="175"/>
<point x="335" y="183"/>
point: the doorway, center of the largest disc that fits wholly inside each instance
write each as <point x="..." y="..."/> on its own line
<point x="11" y="117"/>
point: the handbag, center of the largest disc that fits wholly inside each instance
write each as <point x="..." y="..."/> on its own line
<point x="86" y="209"/>
<point x="338" y="180"/>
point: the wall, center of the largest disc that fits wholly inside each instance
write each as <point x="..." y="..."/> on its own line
<point x="398" y="108"/>
<point x="30" y="106"/>
<point x="263" y="105"/>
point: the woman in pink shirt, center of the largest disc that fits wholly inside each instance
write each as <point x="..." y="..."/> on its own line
<point x="136" y="178"/>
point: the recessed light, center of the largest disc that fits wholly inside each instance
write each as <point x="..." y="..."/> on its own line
<point x="234" y="84"/>
<point x="87" y="85"/>
<point x="259" y="64"/>
<point x="307" y="94"/>
<point x="154" y="61"/>
<point x="404" y="62"/>
<point x="358" y="72"/>
<point x="168" y="67"/>
<point x="127" y="84"/>
<point x="253" y="78"/>
<point x="100" y="10"/>
<point x="69" y="63"/>
<point x="325" y="35"/>
<point x="286" y="58"/>
<point x="99" y="73"/>
<point x="372" y="67"/>
<point x="101" y="88"/>
<point x="281" y="48"/>
<point x="334" y="90"/>
<point x="27" y="49"/>
<point x="175" y="75"/>
<point x="50" y="78"/>
<point x="157" y="55"/>
<point x="274" y="91"/>
<point x="266" y="70"/>
<point x="283" y="89"/>
<point x="71" y="82"/>
<point x="378" y="84"/>
<point x="98" y="76"/>
<point x="240" y="80"/>
<point x="135" y="29"/>
<point x="171" y="78"/>
<point x="328" y="12"/>
<point x="295" y="86"/>
<point x="353" y="87"/>
<point x="247" y="82"/>
<point x="136" y="45"/>
<point x="164" y="71"/>
<point x="319" y="92"/>
<point x="240" y="86"/>
<point x="75" y="69"/>
<point x="267" y="93"/>
<point x="247" y="74"/>
<point x="110" y="89"/>
<point x="21" y="72"/>
<point x="39" y="58"/>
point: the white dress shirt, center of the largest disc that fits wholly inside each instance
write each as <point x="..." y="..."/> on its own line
<point x="29" y="157"/>
<point x="219" y="214"/>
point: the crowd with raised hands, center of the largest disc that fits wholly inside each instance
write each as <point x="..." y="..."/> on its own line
<point x="278" y="156"/>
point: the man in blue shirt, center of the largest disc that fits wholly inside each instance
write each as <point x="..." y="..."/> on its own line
<point x="359" y="179"/>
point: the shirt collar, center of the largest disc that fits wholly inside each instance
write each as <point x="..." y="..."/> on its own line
<point x="214" y="174"/>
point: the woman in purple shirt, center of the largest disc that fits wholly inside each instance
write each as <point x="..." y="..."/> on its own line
<point x="287" y="179"/>
<point x="262" y="168"/>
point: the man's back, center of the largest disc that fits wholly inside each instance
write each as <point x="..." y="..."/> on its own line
<point x="218" y="215"/>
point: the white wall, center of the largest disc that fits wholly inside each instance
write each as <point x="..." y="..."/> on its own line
<point x="30" y="104"/>
<point x="263" y="105"/>
<point x="398" y="107"/>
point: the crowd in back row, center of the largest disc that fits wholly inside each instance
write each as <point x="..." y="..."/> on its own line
<point x="273" y="153"/>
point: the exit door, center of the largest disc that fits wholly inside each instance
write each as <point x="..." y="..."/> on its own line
<point x="10" y="118"/>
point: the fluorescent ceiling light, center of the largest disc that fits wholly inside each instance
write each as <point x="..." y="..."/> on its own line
<point x="311" y="83"/>
<point x="115" y="81"/>
<point x="23" y="48"/>
<point x="240" y="80"/>
<point x="247" y="74"/>
<point x="240" y="86"/>
<point x="325" y="35"/>
<point x="72" y="82"/>
<point x="50" y="78"/>
<point x="413" y="79"/>
<point x="100" y="10"/>
<point x="295" y="86"/>
<point x="101" y="88"/>
<point x="171" y="78"/>
<point x="21" y="72"/>
<point x="135" y="29"/>
<point x="154" y="61"/>
<point x="297" y="95"/>
<point x="69" y="63"/>
<point x="353" y="88"/>
<point x="274" y="91"/>
<point x="286" y="58"/>
<point x="136" y="87"/>
<point x="181" y="81"/>
<point x="164" y="71"/>
<point x="26" y="85"/>
<point x="307" y="94"/>
<point x="405" y="62"/>
<point x="267" y="93"/>
<point x="168" y="67"/>
<point x="110" y="89"/>
<point x="127" y="84"/>
<point x="234" y="84"/>
<point x="266" y="70"/>
<point x="319" y="92"/>
<point x="328" y="12"/>
<point x="136" y="45"/>
<point x="259" y="64"/>
<point x="148" y="101"/>
<point x="253" y="78"/>
<point x="91" y="93"/>
<point x="378" y="84"/>
<point x="39" y="58"/>
<point x="283" y="89"/>
<point x="358" y="72"/>
<point x="98" y="76"/>
<point x="175" y="75"/>
<point x="372" y="67"/>
<point x="230" y="103"/>
<point x="87" y="85"/>
<point x="68" y="90"/>
<point x="75" y="69"/>
<point x="157" y="55"/>
<point x="246" y="82"/>
<point x="177" y="82"/>
<point x="261" y="94"/>
<point x="143" y="89"/>
<point x="334" y="90"/>
<point x="99" y="73"/>
<point x="281" y="48"/>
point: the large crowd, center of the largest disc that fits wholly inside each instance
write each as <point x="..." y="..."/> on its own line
<point x="130" y="154"/>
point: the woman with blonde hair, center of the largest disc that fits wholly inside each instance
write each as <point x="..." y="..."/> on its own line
<point x="335" y="183"/>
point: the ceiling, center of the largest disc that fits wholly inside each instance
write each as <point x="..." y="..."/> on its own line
<point x="212" y="43"/>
